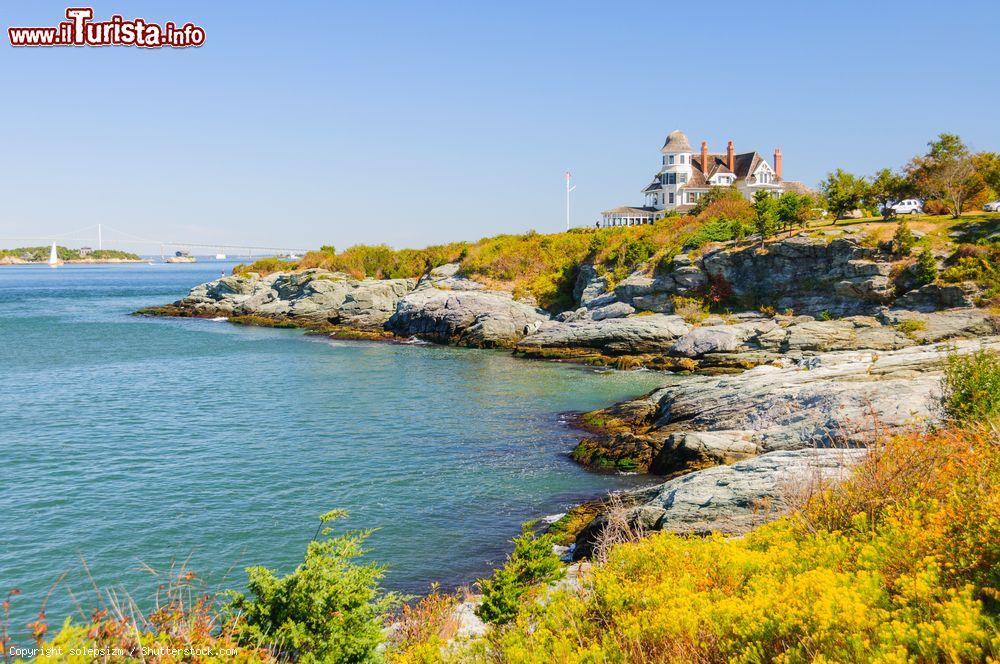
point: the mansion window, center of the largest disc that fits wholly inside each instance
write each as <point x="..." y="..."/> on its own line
<point x="684" y="178"/>
<point x="668" y="178"/>
<point x="682" y="158"/>
<point x="671" y="199"/>
<point x="670" y="159"/>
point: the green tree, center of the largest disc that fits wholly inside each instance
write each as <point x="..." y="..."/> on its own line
<point x="947" y="171"/>
<point x="885" y="188"/>
<point x="532" y="562"/>
<point x="765" y="209"/>
<point x="843" y="192"/>
<point x="903" y="239"/>
<point x="328" y="610"/>
<point x="988" y="166"/>
<point x="793" y="210"/>
<point x="926" y="267"/>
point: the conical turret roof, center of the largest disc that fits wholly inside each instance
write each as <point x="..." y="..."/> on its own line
<point x="676" y="142"/>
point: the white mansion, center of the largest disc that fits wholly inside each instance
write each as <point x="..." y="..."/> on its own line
<point x="685" y="176"/>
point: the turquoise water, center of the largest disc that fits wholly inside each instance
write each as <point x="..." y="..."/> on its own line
<point x="130" y="441"/>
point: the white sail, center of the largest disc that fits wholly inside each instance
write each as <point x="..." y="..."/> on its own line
<point x="53" y="256"/>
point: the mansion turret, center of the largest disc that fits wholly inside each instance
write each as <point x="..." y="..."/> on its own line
<point x="686" y="175"/>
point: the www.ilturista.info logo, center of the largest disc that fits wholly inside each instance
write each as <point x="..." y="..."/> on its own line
<point x="81" y="30"/>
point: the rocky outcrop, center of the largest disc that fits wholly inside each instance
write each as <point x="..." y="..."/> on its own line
<point x="444" y="307"/>
<point x="613" y="336"/>
<point x="730" y="499"/>
<point x="745" y="341"/>
<point x="310" y="295"/>
<point x="933" y="297"/>
<point x="833" y="399"/>
<point x="838" y="276"/>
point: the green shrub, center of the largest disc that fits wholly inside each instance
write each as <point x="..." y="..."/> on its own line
<point x="532" y="563"/>
<point x="971" y="386"/>
<point x="925" y="270"/>
<point x="977" y="264"/>
<point x="903" y="239"/>
<point x="911" y="326"/>
<point x="692" y="309"/>
<point x="718" y="229"/>
<point x="265" y="266"/>
<point x="328" y="610"/>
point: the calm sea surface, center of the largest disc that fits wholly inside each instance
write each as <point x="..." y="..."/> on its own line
<point x="130" y="442"/>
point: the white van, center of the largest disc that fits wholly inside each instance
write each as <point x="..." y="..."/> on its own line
<point x="908" y="206"/>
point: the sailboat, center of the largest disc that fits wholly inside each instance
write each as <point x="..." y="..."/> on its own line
<point x="54" y="257"/>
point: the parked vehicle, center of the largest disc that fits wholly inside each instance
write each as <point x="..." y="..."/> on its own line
<point x="907" y="206"/>
<point x="992" y="206"/>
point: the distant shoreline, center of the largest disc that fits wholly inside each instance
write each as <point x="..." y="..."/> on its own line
<point x="10" y="260"/>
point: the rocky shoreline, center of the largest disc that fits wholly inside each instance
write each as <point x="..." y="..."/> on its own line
<point x="830" y="342"/>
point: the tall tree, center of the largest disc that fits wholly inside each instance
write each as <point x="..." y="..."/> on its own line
<point x="988" y="166"/>
<point x="885" y="188"/>
<point x="843" y="192"/>
<point x="765" y="208"/>
<point x="793" y="210"/>
<point x="947" y="171"/>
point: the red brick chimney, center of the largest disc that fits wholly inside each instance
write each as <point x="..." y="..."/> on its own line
<point x="777" y="162"/>
<point x="731" y="157"/>
<point x="704" y="157"/>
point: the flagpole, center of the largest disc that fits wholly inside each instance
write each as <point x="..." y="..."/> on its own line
<point x="568" y="189"/>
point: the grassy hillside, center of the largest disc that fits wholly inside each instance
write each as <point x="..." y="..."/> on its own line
<point x="542" y="266"/>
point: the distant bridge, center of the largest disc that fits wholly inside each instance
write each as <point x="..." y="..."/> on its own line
<point x="99" y="230"/>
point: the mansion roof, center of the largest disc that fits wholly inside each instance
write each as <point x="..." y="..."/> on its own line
<point x="744" y="165"/>
<point x="676" y="142"/>
<point x="626" y="210"/>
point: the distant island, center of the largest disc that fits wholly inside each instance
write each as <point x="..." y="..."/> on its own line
<point x="25" y="255"/>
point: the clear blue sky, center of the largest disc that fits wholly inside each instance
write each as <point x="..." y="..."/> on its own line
<point x="307" y="123"/>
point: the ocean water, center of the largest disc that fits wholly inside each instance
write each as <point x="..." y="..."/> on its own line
<point x="131" y="443"/>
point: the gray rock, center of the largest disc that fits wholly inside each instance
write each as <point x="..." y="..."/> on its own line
<point x="719" y="338"/>
<point x="939" y="296"/>
<point x="447" y="277"/>
<point x="469" y="317"/>
<point x="316" y="295"/>
<point x="684" y="449"/>
<point x="589" y="285"/>
<point x="613" y="310"/>
<point x="948" y="324"/>
<point x="853" y="333"/>
<point x="833" y="400"/>
<point x="733" y="499"/>
<point x="615" y="336"/>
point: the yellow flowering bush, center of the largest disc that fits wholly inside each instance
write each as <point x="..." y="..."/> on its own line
<point x="899" y="564"/>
